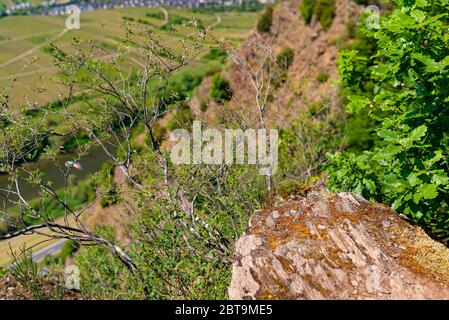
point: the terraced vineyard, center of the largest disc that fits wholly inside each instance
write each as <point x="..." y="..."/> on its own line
<point x="25" y="57"/>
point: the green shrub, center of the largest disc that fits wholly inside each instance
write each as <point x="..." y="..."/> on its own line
<point x="216" y="54"/>
<point x="323" y="10"/>
<point x="143" y="21"/>
<point x="134" y="140"/>
<point x="156" y="15"/>
<point x="3" y="272"/>
<point x="73" y="141"/>
<point x="303" y="146"/>
<point x="102" y="275"/>
<point x="159" y="133"/>
<point x="213" y="67"/>
<point x="174" y="20"/>
<point x="182" y="86"/>
<point x="360" y="132"/>
<point x="76" y="195"/>
<point x="220" y="90"/>
<point x="283" y="62"/>
<point x="109" y="199"/>
<point x="69" y="248"/>
<point x="315" y="108"/>
<point x="285" y="58"/>
<point x="306" y="9"/>
<point x="107" y="172"/>
<point x="322" y="77"/>
<point x="203" y="106"/>
<point x="266" y="20"/>
<point x="37" y="283"/>
<point x="408" y="167"/>
<point x="182" y="119"/>
<point x="173" y="262"/>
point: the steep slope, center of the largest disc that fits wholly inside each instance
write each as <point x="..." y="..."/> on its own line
<point x="314" y="54"/>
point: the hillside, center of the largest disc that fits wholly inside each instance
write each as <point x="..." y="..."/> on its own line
<point x="26" y="62"/>
<point x="314" y="52"/>
<point x="30" y="80"/>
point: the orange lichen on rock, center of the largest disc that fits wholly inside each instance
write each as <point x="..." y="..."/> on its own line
<point x="337" y="246"/>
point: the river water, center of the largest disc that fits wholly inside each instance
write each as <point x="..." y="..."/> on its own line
<point x="91" y="163"/>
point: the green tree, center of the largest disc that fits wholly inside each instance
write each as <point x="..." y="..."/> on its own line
<point x="266" y="20"/>
<point x="323" y="10"/>
<point x="408" y="166"/>
<point x="306" y="9"/>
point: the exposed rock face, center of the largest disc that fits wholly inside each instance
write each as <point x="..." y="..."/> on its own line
<point x="315" y="52"/>
<point x="328" y="246"/>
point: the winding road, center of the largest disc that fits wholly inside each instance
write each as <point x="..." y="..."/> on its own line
<point x="52" y="249"/>
<point x="166" y="19"/>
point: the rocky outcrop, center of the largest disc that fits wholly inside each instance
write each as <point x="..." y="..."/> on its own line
<point x="315" y="52"/>
<point x="337" y="246"/>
